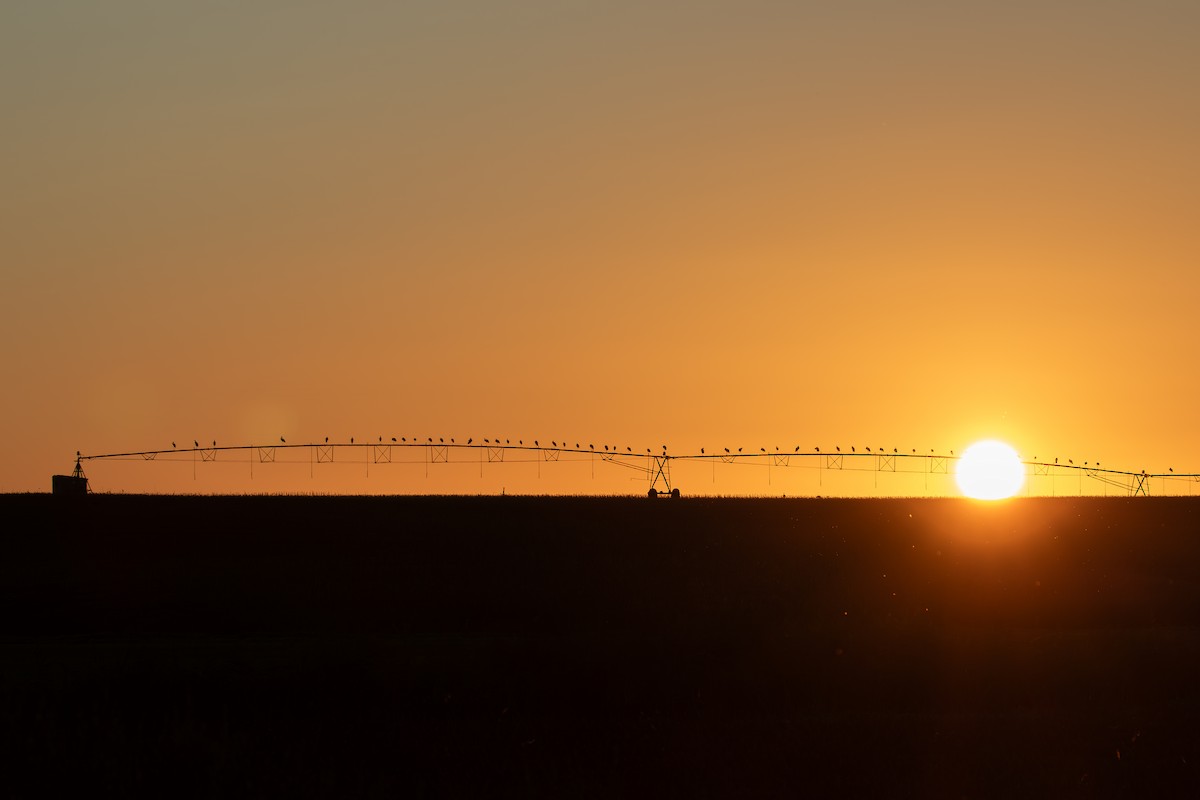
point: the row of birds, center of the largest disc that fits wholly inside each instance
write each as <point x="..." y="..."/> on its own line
<point x="578" y="446"/>
<point x="470" y="441"/>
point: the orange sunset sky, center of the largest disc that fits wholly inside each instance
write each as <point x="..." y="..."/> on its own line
<point x="695" y="224"/>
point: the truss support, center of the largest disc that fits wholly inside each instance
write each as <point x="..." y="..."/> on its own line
<point x="660" y="474"/>
<point x="1141" y="485"/>
<point x="324" y="453"/>
<point x="266" y="455"/>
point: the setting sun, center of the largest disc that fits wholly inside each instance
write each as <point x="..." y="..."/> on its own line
<point x="990" y="470"/>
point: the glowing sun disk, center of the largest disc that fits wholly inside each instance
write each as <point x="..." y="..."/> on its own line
<point x="990" y="470"/>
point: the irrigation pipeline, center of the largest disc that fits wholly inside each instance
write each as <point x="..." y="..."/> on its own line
<point x="655" y="466"/>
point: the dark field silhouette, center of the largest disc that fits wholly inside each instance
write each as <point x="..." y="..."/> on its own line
<point x="567" y="647"/>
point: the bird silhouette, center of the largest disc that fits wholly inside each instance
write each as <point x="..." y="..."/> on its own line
<point x="726" y="449"/>
<point x="1069" y="461"/>
<point x="214" y="442"/>
<point x="797" y="448"/>
<point x="326" y="440"/>
<point x="441" y="440"/>
<point x="868" y="449"/>
<point x="393" y="440"/>
<point x="381" y="438"/>
<point x="195" y="443"/>
<point x="535" y="443"/>
<point x="763" y="449"/>
<point x="852" y="450"/>
<point x="647" y="449"/>
<point x="606" y="448"/>
<point x="172" y="445"/>
<point x="469" y="440"/>
<point x="351" y="440"/>
<point x="836" y="447"/>
<point x="701" y="451"/>
<point x="283" y="440"/>
<point x="451" y="440"/>
<point x="1056" y="460"/>
<point x="816" y="449"/>
<point x="1170" y="469"/>
<point x="739" y="449"/>
<point x="554" y="443"/>
<point x="591" y="447"/>
<point x="402" y="439"/>
<point x="630" y="449"/>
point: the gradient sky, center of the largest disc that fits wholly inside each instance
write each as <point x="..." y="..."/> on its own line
<point x="701" y="224"/>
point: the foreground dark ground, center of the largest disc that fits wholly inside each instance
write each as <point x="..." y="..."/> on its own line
<point x="600" y="647"/>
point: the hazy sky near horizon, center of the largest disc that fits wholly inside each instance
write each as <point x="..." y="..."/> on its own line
<point x="701" y="224"/>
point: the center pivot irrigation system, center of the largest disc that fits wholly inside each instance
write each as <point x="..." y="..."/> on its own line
<point x="655" y="466"/>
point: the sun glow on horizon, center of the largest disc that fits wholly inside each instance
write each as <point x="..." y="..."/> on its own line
<point x="990" y="470"/>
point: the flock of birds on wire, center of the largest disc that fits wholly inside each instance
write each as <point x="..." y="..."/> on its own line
<point x="555" y="445"/>
<point x="614" y="449"/>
